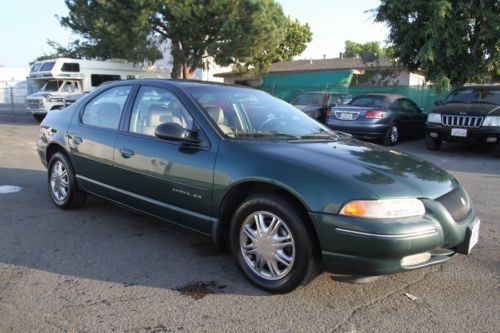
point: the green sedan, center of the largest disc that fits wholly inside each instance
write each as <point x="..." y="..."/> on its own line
<point x="287" y="196"/>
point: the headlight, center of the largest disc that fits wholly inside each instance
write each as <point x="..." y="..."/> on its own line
<point x="380" y="209"/>
<point x="434" y="118"/>
<point x="491" y="121"/>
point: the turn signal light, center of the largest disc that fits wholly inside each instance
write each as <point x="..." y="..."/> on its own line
<point x="374" y="114"/>
<point x="354" y="208"/>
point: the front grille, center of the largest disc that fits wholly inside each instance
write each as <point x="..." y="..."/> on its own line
<point x="34" y="104"/>
<point x="457" y="203"/>
<point x="461" y="121"/>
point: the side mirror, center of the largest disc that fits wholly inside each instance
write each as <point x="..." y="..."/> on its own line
<point x="173" y="131"/>
<point x="439" y="102"/>
<point x="421" y="110"/>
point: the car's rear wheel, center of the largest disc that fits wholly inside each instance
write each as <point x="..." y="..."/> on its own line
<point x="392" y="136"/>
<point x="62" y="183"/>
<point x="432" y="143"/>
<point x="272" y="245"/>
<point x="39" y="117"/>
<point x="497" y="150"/>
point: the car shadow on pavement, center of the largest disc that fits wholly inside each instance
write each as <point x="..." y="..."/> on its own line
<point x="459" y="157"/>
<point x="101" y="241"/>
<point x="17" y="117"/>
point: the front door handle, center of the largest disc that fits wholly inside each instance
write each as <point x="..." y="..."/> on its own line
<point x="126" y="153"/>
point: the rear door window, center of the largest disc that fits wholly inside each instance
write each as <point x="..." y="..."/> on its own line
<point x="106" y="109"/>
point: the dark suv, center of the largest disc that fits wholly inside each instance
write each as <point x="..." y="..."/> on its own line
<point x="469" y="114"/>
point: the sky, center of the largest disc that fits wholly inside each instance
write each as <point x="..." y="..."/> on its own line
<point x="26" y="25"/>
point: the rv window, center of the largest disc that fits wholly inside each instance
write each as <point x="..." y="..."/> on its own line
<point x="70" y="67"/>
<point x="47" y="66"/>
<point x="97" y="79"/>
<point x="36" y="67"/>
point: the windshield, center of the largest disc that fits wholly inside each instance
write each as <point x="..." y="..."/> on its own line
<point x="369" y="101"/>
<point x="310" y="99"/>
<point x="249" y="113"/>
<point x="52" y="86"/>
<point x="471" y="95"/>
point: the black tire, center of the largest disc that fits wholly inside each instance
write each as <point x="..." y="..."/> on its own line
<point x="391" y="137"/>
<point x="39" y="117"/>
<point x="62" y="185"/>
<point x="305" y="264"/>
<point x="497" y="150"/>
<point x="432" y="143"/>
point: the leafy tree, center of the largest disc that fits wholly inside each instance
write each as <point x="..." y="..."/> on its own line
<point x="454" y="41"/>
<point x="353" y="49"/>
<point x="296" y="37"/>
<point x="74" y="50"/>
<point x="249" y="34"/>
<point x="241" y="32"/>
<point x="113" y="29"/>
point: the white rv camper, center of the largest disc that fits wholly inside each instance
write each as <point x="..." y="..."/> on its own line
<point x="63" y="77"/>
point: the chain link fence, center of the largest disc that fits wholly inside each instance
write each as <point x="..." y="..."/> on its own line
<point x="12" y="97"/>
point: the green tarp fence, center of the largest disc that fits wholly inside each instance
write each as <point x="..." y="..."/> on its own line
<point x="288" y="86"/>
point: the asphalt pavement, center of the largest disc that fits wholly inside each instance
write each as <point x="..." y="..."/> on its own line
<point x="102" y="268"/>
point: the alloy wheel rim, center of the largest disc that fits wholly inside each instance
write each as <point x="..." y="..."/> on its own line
<point x="267" y="245"/>
<point x="59" y="181"/>
<point x="394" y="134"/>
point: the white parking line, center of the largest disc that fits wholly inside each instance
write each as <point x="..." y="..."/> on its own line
<point x="6" y="189"/>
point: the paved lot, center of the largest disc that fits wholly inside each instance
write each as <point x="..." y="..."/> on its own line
<point x="102" y="268"/>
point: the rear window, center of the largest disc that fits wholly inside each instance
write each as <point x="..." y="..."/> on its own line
<point x="97" y="79"/>
<point x="370" y="101"/>
<point x="310" y="99"/>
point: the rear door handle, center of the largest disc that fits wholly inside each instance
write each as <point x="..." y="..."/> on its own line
<point x="126" y="153"/>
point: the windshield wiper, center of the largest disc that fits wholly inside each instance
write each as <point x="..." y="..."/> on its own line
<point x="320" y="135"/>
<point x="263" y="134"/>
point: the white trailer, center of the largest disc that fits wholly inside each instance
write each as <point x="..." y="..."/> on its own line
<point x="63" y="77"/>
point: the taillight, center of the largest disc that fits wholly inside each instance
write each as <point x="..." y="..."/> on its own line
<point x="374" y="114"/>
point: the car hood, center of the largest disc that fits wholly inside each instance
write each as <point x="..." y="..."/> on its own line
<point x="360" y="168"/>
<point x="39" y="95"/>
<point x="472" y="109"/>
<point x="308" y="108"/>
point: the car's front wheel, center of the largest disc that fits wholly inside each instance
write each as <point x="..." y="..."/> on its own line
<point x="272" y="245"/>
<point x="39" y="117"/>
<point x="62" y="183"/>
<point x="432" y="143"/>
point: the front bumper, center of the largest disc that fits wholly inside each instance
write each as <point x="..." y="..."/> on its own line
<point x="488" y="134"/>
<point x="367" y="247"/>
<point x="36" y="111"/>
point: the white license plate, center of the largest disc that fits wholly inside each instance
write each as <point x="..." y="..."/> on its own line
<point x="346" y="116"/>
<point x="459" y="132"/>
<point x="474" y="236"/>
